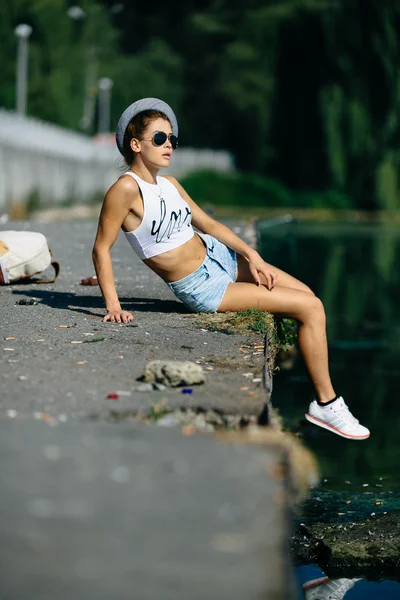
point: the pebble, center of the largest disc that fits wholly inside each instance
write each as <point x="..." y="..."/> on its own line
<point x="159" y="386"/>
<point x="145" y="387"/>
<point x="168" y="421"/>
<point x="27" y="301"/>
<point x="11" y="413"/>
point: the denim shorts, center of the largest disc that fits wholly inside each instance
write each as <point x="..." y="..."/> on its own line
<point x="203" y="290"/>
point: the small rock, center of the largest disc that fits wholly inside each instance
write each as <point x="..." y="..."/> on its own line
<point x="168" y="421"/>
<point x="159" y="386"/>
<point x="27" y="301"/>
<point x="173" y="373"/>
<point x="145" y="387"/>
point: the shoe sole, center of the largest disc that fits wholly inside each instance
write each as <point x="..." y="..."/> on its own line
<point x="309" y="585"/>
<point x="325" y="425"/>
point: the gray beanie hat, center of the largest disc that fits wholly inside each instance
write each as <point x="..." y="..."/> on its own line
<point x="140" y="106"/>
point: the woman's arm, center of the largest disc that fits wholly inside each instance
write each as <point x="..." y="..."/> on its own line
<point x="115" y="208"/>
<point x="207" y="224"/>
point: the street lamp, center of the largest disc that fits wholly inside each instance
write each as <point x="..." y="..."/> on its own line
<point x="105" y="84"/>
<point x="22" y="32"/>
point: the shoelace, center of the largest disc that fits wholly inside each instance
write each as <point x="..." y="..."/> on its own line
<point x="343" y="411"/>
<point x="339" y="592"/>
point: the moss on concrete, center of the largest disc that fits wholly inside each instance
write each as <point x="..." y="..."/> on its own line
<point x="370" y="547"/>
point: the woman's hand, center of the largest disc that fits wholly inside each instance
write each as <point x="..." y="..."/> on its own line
<point x="258" y="265"/>
<point x="118" y="316"/>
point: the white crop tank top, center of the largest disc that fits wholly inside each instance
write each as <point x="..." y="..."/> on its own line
<point x="167" y="219"/>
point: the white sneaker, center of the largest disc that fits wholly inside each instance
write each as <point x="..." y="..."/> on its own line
<point x="325" y="589"/>
<point x="337" y="418"/>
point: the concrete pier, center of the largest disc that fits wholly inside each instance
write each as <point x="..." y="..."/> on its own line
<point x="94" y="509"/>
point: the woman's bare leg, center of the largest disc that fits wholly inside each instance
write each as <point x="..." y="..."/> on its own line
<point x="284" y="279"/>
<point x="298" y="304"/>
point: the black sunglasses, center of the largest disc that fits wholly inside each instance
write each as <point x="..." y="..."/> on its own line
<point x="160" y="137"/>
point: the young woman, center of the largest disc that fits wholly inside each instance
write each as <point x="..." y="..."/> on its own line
<point x="210" y="270"/>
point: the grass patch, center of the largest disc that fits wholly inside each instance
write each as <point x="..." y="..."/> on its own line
<point x="253" y="320"/>
<point x="158" y="411"/>
<point x="281" y="332"/>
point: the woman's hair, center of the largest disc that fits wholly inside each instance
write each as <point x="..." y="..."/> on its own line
<point x="136" y="128"/>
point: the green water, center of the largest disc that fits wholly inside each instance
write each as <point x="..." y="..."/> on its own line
<point x="354" y="269"/>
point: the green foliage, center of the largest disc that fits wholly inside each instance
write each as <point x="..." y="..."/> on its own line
<point x="305" y="91"/>
<point x="331" y="199"/>
<point x="282" y="331"/>
<point x="156" y="71"/>
<point x="158" y="411"/>
<point x="67" y="57"/>
<point x="286" y="332"/>
<point x="235" y="189"/>
<point x="239" y="189"/>
<point x="257" y="320"/>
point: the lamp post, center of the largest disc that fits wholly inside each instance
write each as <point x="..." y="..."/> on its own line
<point x="22" y="32"/>
<point x="105" y="84"/>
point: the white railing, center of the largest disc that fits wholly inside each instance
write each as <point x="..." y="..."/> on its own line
<point x="56" y="165"/>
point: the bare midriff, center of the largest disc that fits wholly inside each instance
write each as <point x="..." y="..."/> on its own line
<point x="180" y="262"/>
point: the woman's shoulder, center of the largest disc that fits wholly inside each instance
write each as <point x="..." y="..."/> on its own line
<point x="170" y="182"/>
<point x="123" y="191"/>
<point x="169" y="178"/>
<point x="125" y="185"/>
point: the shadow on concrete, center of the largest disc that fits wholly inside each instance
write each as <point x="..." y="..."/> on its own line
<point x="88" y="304"/>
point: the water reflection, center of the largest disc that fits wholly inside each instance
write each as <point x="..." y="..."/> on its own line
<point x="353" y="269"/>
<point x="314" y="584"/>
